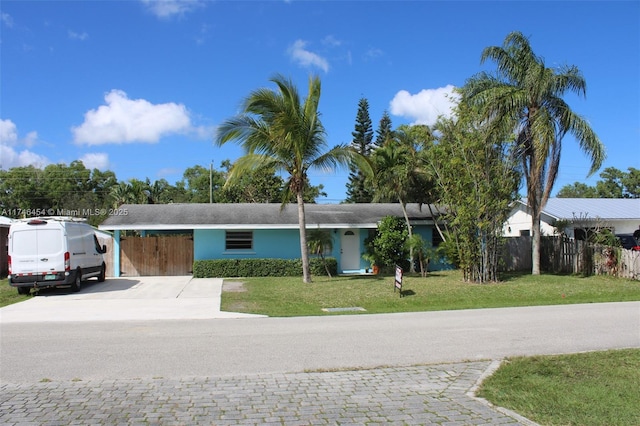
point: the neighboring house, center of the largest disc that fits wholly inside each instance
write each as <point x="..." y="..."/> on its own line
<point x="5" y="223"/>
<point x="240" y="231"/>
<point x="582" y="215"/>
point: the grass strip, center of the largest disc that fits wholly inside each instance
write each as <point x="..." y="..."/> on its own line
<point x="595" y="388"/>
<point x="289" y="296"/>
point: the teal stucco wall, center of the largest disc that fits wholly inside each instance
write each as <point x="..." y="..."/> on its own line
<point x="267" y="243"/>
<point x="284" y="244"/>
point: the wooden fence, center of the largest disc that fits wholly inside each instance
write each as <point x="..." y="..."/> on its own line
<point x="570" y="256"/>
<point x="156" y="255"/>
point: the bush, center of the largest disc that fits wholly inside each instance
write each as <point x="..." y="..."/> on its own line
<point x="387" y="247"/>
<point x="224" y="268"/>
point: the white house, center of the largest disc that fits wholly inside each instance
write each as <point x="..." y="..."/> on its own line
<point x="620" y="215"/>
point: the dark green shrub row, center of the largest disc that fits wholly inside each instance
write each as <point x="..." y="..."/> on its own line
<point x="224" y="268"/>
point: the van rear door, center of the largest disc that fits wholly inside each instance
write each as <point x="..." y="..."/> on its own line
<point x="38" y="249"/>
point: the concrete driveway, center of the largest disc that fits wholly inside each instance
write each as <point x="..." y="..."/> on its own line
<point x="122" y="299"/>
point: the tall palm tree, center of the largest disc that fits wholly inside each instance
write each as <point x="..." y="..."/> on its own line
<point x="278" y="130"/>
<point x="524" y="98"/>
<point x="399" y="173"/>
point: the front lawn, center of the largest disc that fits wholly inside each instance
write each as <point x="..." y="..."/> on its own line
<point x="595" y="388"/>
<point x="8" y="294"/>
<point x="439" y="291"/>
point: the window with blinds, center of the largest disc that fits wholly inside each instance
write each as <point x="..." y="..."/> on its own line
<point x="239" y="240"/>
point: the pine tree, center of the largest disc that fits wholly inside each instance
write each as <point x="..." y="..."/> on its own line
<point x="384" y="132"/>
<point x="357" y="191"/>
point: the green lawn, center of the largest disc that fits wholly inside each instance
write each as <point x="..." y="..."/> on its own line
<point x="8" y="294"/>
<point x="439" y="291"/>
<point x="596" y="388"/>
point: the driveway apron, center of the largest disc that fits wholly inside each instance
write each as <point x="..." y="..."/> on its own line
<point x="125" y="299"/>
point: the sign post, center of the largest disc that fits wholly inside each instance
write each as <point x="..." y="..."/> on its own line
<point x="398" y="280"/>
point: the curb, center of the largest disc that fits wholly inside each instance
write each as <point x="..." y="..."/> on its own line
<point x="495" y="364"/>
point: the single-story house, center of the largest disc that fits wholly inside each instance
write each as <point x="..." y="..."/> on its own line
<point x="620" y="215"/>
<point x="239" y="231"/>
<point x="5" y="223"/>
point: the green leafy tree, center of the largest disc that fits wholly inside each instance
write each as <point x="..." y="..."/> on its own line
<point x="22" y="188"/>
<point x="256" y="186"/>
<point x="101" y="184"/>
<point x="611" y="185"/>
<point x="526" y="98"/>
<point x="631" y="183"/>
<point x="614" y="183"/>
<point x="202" y="184"/>
<point x="479" y="179"/>
<point x="279" y="130"/>
<point x="68" y="187"/>
<point x="577" y="190"/>
<point x="357" y="189"/>
<point x="388" y="247"/>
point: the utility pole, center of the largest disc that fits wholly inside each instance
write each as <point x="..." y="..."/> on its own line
<point x="211" y="182"/>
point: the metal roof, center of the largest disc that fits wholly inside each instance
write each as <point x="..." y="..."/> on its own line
<point x="256" y="216"/>
<point x="592" y="208"/>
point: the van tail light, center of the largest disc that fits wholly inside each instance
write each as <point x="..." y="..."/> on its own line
<point x="67" y="261"/>
<point x="9" y="260"/>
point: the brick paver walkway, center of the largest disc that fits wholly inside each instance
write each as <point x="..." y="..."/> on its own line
<point x="420" y="395"/>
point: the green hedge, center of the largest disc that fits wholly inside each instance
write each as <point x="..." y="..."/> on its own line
<point x="225" y="268"/>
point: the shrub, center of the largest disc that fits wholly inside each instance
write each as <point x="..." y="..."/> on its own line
<point x="223" y="268"/>
<point x="388" y="246"/>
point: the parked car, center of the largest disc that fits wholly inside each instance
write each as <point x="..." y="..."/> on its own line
<point x="53" y="252"/>
<point x="627" y="241"/>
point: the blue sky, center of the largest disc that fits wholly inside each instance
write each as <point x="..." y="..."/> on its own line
<point x="138" y="87"/>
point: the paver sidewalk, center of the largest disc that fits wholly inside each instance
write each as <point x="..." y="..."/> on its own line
<point x="421" y="395"/>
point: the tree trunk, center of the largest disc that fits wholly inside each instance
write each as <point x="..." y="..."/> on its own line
<point x="435" y="222"/>
<point x="535" y="241"/>
<point x="412" y="267"/>
<point x="302" y="221"/>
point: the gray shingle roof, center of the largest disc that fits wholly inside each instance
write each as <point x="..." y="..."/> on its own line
<point x="229" y="216"/>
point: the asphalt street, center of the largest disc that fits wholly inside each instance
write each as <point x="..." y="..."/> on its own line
<point x="179" y="348"/>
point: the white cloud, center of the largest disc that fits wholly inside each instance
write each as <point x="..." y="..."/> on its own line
<point x="331" y="41"/>
<point x="78" y="36"/>
<point x="424" y="107"/>
<point x="8" y="133"/>
<point x="6" y="19"/>
<point x="10" y="153"/>
<point x="373" y="53"/>
<point x="124" y="120"/>
<point x="306" y="58"/>
<point x="168" y="8"/>
<point x="95" y="160"/>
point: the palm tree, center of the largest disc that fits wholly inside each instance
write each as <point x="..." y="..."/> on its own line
<point x="277" y="130"/>
<point x="399" y="173"/>
<point x="320" y="242"/>
<point x="524" y="98"/>
<point x="121" y="193"/>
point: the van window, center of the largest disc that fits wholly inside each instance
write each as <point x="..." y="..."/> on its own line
<point x="45" y="241"/>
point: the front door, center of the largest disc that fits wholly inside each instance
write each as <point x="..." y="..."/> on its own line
<point x="350" y="250"/>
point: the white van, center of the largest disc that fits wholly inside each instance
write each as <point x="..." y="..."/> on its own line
<point x="52" y="252"/>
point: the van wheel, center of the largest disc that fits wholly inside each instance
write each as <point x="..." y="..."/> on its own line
<point x="77" y="283"/>
<point x="24" y="290"/>
<point x="103" y="273"/>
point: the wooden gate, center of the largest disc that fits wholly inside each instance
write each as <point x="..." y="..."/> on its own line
<point x="156" y="255"/>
